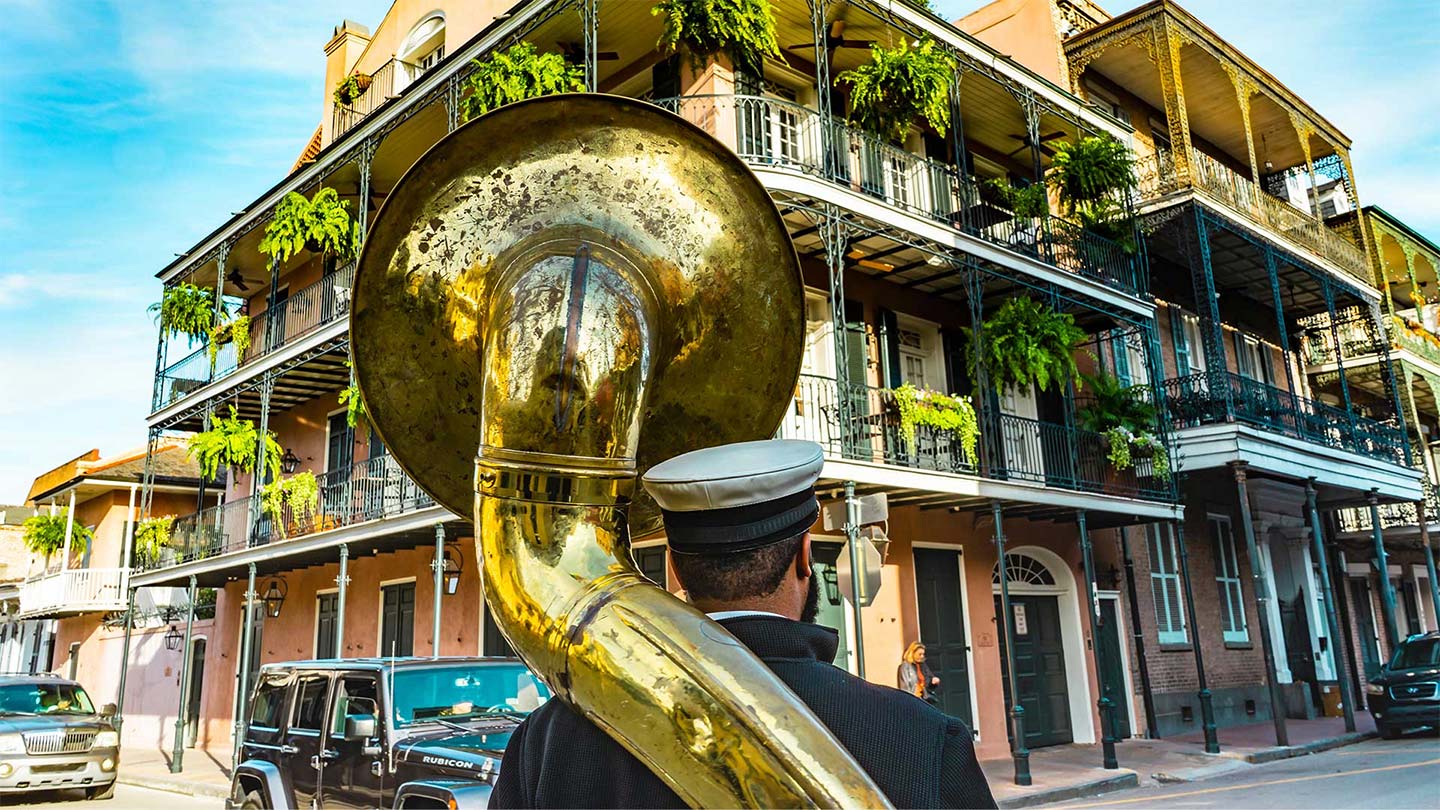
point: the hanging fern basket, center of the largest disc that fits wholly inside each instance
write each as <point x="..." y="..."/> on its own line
<point x="744" y="30"/>
<point x="517" y="74"/>
<point x="899" y="86"/>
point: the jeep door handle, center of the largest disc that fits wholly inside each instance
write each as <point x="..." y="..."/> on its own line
<point x="289" y="749"/>
<point x="377" y="769"/>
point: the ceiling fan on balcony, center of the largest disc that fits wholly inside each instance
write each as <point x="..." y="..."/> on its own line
<point x="1025" y="143"/>
<point x="575" y="52"/>
<point x="238" y="280"/>
<point x="834" y="38"/>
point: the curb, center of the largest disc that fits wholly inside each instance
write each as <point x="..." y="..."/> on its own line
<point x="1083" y="790"/>
<point x="177" y="784"/>
<point x="1287" y="752"/>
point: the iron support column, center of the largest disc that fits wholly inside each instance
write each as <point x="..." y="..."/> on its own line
<point x="1382" y="566"/>
<point x="1332" y="621"/>
<point x="1429" y="563"/>
<point x="1280" y="326"/>
<point x="125" y="657"/>
<point x="1329" y="292"/>
<point x="1104" y="704"/>
<point x="242" y="704"/>
<point x="1207" y="703"/>
<point x="1018" y="752"/>
<point x="341" y="580"/>
<point x="852" y="539"/>
<point x="1262" y="599"/>
<point x="439" y="570"/>
<point x="590" y="25"/>
<point x="1205" y="301"/>
<point x="1138" y="635"/>
<point x="820" y="30"/>
<point x="1387" y="373"/>
<point x="178" y="753"/>
<point x="833" y="233"/>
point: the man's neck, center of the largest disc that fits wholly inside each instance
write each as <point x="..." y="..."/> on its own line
<point x="767" y="606"/>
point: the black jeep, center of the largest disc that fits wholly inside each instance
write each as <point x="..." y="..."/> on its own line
<point x="381" y="732"/>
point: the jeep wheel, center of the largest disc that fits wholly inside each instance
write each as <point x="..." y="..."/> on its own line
<point x="101" y="792"/>
<point x="253" y="801"/>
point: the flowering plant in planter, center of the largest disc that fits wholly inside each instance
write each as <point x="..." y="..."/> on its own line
<point x="349" y="89"/>
<point x="1124" y="415"/>
<point x="919" y="406"/>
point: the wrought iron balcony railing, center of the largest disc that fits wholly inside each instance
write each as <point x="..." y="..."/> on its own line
<point x="1024" y="449"/>
<point x="385" y="83"/>
<point x="1158" y="176"/>
<point x="778" y="134"/>
<point x="73" y="591"/>
<point x="1220" y="397"/>
<point x="1392" y="515"/>
<point x="359" y="493"/>
<point x="324" y="302"/>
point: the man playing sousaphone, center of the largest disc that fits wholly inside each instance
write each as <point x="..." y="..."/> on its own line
<point x="737" y="519"/>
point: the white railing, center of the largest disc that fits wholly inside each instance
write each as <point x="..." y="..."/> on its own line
<point x="74" y="591"/>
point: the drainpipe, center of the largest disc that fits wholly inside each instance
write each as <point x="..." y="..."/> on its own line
<point x="342" y="579"/>
<point x="176" y="759"/>
<point x="1262" y="598"/>
<point x="1332" y="622"/>
<point x="439" y="568"/>
<point x="1207" y="704"/>
<point x="1018" y="752"/>
<point x="1106" y="706"/>
<point x="129" y="547"/>
<point x="1147" y="696"/>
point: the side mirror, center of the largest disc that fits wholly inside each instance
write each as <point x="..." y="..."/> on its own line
<point x="109" y="710"/>
<point x="359" y="726"/>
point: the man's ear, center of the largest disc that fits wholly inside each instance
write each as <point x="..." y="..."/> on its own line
<point x="802" y="559"/>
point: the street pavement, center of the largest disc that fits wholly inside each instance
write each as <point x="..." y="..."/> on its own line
<point x="1375" y="775"/>
<point x="127" y="797"/>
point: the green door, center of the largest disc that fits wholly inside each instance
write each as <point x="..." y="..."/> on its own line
<point x="1039" y="669"/>
<point x="1114" y="679"/>
<point x="942" y="627"/>
<point x="832" y="605"/>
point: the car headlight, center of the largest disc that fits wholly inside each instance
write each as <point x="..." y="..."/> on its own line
<point x="107" y="739"/>
<point x="1374" y="689"/>
<point x="11" y="744"/>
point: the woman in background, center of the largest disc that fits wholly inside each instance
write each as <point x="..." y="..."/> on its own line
<point x="915" y="675"/>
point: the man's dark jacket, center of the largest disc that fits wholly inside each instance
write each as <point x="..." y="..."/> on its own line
<point x="918" y="756"/>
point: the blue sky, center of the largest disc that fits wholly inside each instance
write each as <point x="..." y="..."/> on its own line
<point x="130" y="129"/>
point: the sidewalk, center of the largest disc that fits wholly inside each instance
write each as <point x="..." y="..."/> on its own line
<point x="204" y="775"/>
<point x="1065" y="772"/>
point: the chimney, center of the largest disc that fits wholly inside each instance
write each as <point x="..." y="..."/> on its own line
<point x="342" y="52"/>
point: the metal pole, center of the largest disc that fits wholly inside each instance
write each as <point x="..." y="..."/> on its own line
<point x="125" y="657"/>
<point x="177" y="757"/>
<point x="1429" y="563"/>
<point x="243" y="699"/>
<point x="1382" y="564"/>
<point x="1332" y="622"/>
<point x="439" y="568"/>
<point x="1207" y="703"/>
<point x="69" y="527"/>
<point x="129" y="532"/>
<point x="342" y="579"/>
<point x="1262" y="599"/>
<point x="1138" y="635"/>
<point x="1106" y="706"/>
<point x="852" y="539"/>
<point x="1018" y="752"/>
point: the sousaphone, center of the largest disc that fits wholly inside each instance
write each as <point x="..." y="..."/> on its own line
<point x="579" y="287"/>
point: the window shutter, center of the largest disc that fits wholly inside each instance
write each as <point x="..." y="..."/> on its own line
<point x="856" y="356"/>
<point x="665" y="78"/>
<point x="957" y="373"/>
<point x="1180" y="339"/>
<point x="889" y="350"/>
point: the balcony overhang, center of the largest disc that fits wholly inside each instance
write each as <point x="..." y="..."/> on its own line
<point x="410" y="530"/>
<point x="929" y="489"/>
<point x="1343" y="478"/>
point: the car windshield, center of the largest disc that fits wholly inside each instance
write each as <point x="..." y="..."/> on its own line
<point x="1420" y="653"/>
<point x="44" y="698"/>
<point x="464" y="691"/>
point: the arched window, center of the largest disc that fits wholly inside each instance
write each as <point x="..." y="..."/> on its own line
<point x="1022" y="569"/>
<point x="423" y="47"/>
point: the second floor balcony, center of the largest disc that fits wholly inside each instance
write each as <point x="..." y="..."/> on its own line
<point x="360" y="493"/>
<point x="72" y="592"/>
<point x="1158" y="176"/>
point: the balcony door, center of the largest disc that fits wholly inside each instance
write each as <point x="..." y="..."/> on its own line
<point x="1020" y="431"/>
<point x="336" y="492"/>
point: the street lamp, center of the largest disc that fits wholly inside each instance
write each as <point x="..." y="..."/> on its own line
<point x="274" y="597"/>
<point x="289" y="462"/>
<point x="173" y="639"/>
<point x="453" y="566"/>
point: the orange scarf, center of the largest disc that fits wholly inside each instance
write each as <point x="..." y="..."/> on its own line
<point x="919" y="681"/>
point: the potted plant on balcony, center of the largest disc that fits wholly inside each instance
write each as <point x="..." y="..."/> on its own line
<point x="44" y="534"/>
<point x="1126" y="417"/>
<point x="516" y="74"/>
<point x="300" y="493"/>
<point x="230" y="444"/>
<point x="1089" y="176"/>
<point x="349" y="89"/>
<point x="1026" y="343"/>
<point x="235" y="330"/>
<point x="900" y="85"/>
<point x="321" y="224"/>
<point x="186" y="310"/>
<point x="744" y="30"/>
<point x="918" y="406"/>
<point x="152" y="541"/>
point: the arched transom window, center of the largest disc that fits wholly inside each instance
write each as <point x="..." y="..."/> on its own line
<point x="1022" y="569"/>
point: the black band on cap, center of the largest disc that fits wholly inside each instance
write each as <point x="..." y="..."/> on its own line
<point x="741" y="528"/>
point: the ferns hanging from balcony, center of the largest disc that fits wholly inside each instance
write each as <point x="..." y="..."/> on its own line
<point x="742" y="29"/>
<point x="1127" y="418"/>
<point x="235" y="331"/>
<point x="152" y="537"/>
<point x="1090" y="176"/>
<point x="899" y="85"/>
<point x="321" y="224"/>
<point x="186" y="310"/>
<point x="1026" y="342"/>
<point x="517" y="74"/>
<point x="299" y="492"/>
<point x="230" y="443"/>
<point x="44" y="534"/>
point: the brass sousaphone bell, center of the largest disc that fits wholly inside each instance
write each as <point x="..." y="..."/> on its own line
<point x="582" y="286"/>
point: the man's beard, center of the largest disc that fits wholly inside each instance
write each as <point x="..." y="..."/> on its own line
<point x="812" y="601"/>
